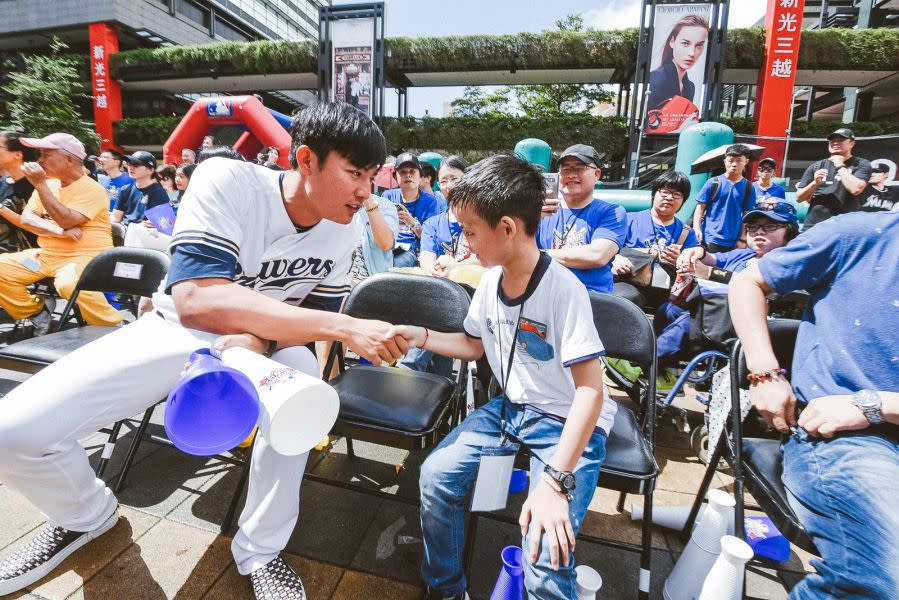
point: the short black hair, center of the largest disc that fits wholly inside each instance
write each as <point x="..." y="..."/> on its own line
<point x="428" y="170"/>
<point x="338" y="127"/>
<point x="223" y="151"/>
<point x="502" y="186"/>
<point x="673" y="180"/>
<point x="454" y="161"/>
<point x="13" y="141"/>
<point x="275" y="148"/>
<point x="739" y="150"/>
<point x="187" y="169"/>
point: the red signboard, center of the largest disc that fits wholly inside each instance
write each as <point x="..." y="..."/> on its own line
<point x="774" y="98"/>
<point x="107" y="94"/>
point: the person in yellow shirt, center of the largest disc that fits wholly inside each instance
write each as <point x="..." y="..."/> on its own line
<point x="72" y="227"/>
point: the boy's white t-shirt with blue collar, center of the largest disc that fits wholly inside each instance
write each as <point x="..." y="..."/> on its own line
<point x="557" y="331"/>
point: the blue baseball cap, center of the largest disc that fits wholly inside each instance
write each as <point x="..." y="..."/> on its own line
<point x="782" y="212"/>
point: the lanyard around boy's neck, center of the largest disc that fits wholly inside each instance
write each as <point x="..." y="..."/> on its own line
<point x="504" y="375"/>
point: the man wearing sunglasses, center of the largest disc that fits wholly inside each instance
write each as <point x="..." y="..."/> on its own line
<point x="765" y="188"/>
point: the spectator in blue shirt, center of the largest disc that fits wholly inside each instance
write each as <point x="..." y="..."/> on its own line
<point x="765" y="189"/>
<point x="144" y="193"/>
<point x="768" y="226"/>
<point x="657" y="231"/>
<point x="722" y="201"/>
<point x="580" y="232"/>
<point x="414" y="207"/>
<point x="115" y="178"/>
<point x="841" y="463"/>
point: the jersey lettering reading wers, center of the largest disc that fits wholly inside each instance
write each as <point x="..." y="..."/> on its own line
<point x="232" y="224"/>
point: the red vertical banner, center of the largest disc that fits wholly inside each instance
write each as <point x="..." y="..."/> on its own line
<point x="774" y="98"/>
<point x="107" y="93"/>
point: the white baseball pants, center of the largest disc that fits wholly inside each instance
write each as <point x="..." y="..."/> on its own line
<point x="115" y="377"/>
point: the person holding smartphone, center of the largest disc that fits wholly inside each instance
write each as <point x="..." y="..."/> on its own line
<point x="413" y="206"/>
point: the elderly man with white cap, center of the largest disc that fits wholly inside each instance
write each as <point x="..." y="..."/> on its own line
<point x="72" y="227"/>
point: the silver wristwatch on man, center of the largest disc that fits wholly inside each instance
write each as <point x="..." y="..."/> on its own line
<point x="868" y="401"/>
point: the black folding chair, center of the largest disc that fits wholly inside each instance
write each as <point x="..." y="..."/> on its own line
<point x="756" y="459"/>
<point x="629" y="466"/>
<point x="132" y="271"/>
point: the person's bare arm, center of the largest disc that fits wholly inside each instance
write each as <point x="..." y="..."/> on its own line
<point x="221" y="306"/>
<point x="452" y="345"/>
<point x="853" y="184"/>
<point x="11" y="216"/>
<point x="596" y="254"/>
<point x="426" y="260"/>
<point x="546" y="510"/>
<point x="805" y="194"/>
<point x="773" y="398"/>
<point x="38" y="226"/>
<point x="64" y="216"/>
<point x="116" y="216"/>
<point x="828" y="415"/>
<point x="380" y="230"/>
<point x="698" y="215"/>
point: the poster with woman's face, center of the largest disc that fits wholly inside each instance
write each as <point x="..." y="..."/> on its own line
<point x="680" y="36"/>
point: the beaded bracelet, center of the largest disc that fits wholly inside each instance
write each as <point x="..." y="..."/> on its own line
<point x="768" y="375"/>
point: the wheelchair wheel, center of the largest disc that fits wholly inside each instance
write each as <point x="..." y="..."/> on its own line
<point x="699" y="441"/>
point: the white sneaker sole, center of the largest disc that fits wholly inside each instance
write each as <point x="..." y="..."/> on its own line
<point x="14" y="585"/>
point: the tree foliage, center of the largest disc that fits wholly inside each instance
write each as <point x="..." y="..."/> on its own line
<point x="45" y="90"/>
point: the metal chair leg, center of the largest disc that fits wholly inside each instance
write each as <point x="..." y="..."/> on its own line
<point x="241" y="484"/>
<point x="703" y="488"/>
<point x="646" y="548"/>
<point x="132" y="450"/>
<point x="471" y="532"/>
<point x="349" y="448"/>
<point x="108" y="447"/>
<point x="622" y="496"/>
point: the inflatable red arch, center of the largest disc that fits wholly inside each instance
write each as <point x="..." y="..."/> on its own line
<point x="263" y="127"/>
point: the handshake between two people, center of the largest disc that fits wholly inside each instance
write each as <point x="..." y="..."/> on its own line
<point x="376" y="341"/>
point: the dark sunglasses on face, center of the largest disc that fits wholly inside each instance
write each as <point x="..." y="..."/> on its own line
<point x="766" y="169"/>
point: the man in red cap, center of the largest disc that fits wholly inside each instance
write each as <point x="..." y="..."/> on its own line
<point x="72" y="227"/>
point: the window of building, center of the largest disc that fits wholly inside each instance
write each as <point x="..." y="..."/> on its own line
<point x="193" y="11"/>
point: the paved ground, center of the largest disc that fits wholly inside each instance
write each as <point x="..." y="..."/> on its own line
<point x="347" y="544"/>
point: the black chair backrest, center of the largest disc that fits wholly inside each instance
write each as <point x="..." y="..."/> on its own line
<point x="783" y="339"/>
<point x="624" y="329"/>
<point x="118" y="235"/>
<point x="404" y="299"/>
<point x="136" y="271"/>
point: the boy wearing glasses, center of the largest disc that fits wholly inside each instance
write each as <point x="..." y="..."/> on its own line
<point x="765" y="188"/>
<point x="581" y="232"/>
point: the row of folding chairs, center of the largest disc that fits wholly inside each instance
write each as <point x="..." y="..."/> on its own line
<point x="401" y="408"/>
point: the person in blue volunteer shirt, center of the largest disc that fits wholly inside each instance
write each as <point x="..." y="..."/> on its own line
<point x="144" y="193"/>
<point x="580" y="232"/>
<point x="658" y="231"/>
<point x="765" y="188"/>
<point x="441" y="237"/>
<point x="115" y="178"/>
<point x="769" y="225"/>
<point x="414" y="207"/>
<point x="839" y="407"/>
<point x="723" y="200"/>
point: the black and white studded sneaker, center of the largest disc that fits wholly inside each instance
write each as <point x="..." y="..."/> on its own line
<point x="277" y="581"/>
<point x="43" y="553"/>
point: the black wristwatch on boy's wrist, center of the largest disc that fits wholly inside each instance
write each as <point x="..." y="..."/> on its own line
<point x="565" y="479"/>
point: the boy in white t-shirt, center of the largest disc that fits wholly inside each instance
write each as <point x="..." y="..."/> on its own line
<point x="554" y="403"/>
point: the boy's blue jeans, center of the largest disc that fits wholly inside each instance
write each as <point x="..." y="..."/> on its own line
<point x="843" y="491"/>
<point x="426" y="361"/>
<point x="449" y="473"/>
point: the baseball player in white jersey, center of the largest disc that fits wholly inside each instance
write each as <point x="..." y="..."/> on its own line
<point x="253" y="250"/>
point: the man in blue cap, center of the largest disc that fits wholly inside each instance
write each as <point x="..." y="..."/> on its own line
<point x="413" y="206"/>
<point x="768" y="225"/>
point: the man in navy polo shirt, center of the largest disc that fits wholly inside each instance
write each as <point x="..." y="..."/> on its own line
<point x="414" y="207"/>
<point x="841" y="452"/>
<point x="580" y="232"/>
<point x="722" y="201"/>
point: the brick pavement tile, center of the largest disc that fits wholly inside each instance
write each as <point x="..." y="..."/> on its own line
<point x="362" y="586"/>
<point x="84" y="564"/>
<point x="320" y="580"/>
<point x="19" y="517"/>
<point x="170" y="560"/>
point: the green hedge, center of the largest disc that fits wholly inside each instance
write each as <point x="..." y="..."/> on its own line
<point x="469" y="136"/>
<point x="818" y="129"/>
<point x="300" y="56"/>
<point x="841" y="49"/>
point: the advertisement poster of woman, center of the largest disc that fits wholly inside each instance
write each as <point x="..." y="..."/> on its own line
<point x="676" y="83"/>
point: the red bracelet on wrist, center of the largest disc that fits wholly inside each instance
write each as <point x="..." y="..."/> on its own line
<point x="427" y="335"/>
<point x="768" y="375"/>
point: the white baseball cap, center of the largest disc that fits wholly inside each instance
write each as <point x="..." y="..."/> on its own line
<point x="57" y="141"/>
